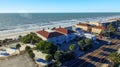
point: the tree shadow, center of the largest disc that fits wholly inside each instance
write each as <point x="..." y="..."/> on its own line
<point x="93" y="58"/>
<point x="104" y="54"/>
<point x="78" y="63"/>
<point x="87" y="64"/>
<point x="108" y="49"/>
<point x="96" y="59"/>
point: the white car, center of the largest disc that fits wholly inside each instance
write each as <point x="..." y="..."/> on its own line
<point x="108" y="42"/>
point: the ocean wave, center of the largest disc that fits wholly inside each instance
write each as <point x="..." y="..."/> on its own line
<point x="50" y="24"/>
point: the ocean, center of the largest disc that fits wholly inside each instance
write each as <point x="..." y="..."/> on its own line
<point x="18" y="22"/>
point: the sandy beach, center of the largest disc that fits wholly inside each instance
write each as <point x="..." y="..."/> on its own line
<point x="23" y="33"/>
<point x="15" y="35"/>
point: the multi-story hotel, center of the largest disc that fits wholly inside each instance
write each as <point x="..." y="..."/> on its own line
<point x="91" y="28"/>
<point x="97" y="29"/>
<point x="83" y="26"/>
<point x="105" y="23"/>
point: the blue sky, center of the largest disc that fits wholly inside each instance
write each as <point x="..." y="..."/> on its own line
<point x="8" y="6"/>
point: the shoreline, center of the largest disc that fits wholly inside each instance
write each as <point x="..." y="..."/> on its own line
<point x="13" y="35"/>
<point x="23" y="33"/>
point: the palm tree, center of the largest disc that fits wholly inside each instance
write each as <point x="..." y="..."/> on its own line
<point x="18" y="47"/>
<point x="115" y="58"/>
<point x="80" y="43"/>
<point x="72" y="47"/>
<point x="49" y="57"/>
<point x="19" y="37"/>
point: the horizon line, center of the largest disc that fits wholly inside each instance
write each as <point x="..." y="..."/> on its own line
<point x="59" y="12"/>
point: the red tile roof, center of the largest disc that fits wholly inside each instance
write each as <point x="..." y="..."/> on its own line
<point x="82" y="24"/>
<point x="99" y="27"/>
<point x="49" y="34"/>
<point x="64" y="31"/>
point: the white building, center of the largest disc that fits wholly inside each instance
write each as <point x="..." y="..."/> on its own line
<point x="90" y="36"/>
<point x="52" y="36"/>
<point x="57" y="36"/>
<point x="69" y="34"/>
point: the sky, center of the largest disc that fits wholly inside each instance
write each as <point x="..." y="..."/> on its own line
<point x="54" y="6"/>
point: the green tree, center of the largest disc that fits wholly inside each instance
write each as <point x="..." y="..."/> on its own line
<point x="72" y="47"/>
<point x="64" y="56"/>
<point x="58" y="55"/>
<point x="31" y="38"/>
<point x="46" y="47"/>
<point x="27" y="48"/>
<point x="81" y="43"/>
<point x="49" y="57"/>
<point x="88" y="41"/>
<point x="57" y="64"/>
<point x="115" y="58"/>
<point x="111" y="28"/>
<point x="18" y="47"/>
<point x="31" y="54"/>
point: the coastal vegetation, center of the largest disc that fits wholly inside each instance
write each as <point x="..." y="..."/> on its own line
<point x="115" y="58"/>
<point x="61" y="56"/>
<point x="49" y="57"/>
<point x="31" y="38"/>
<point x="29" y="51"/>
<point x="27" y="48"/>
<point x="105" y="34"/>
<point x="18" y="47"/>
<point x="31" y="54"/>
<point x="46" y="47"/>
<point x="57" y="64"/>
<point x="72" y="47"/>
<point x="111" y="29"/>
<point x="85" y="44"/>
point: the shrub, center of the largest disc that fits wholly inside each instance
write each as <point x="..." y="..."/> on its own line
<point x="48" y="57"/>
<point x="27" y="48"/>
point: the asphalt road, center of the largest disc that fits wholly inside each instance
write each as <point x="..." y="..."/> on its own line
<point x="93" y="59"/>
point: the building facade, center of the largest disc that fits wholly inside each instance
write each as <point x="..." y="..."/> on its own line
<point x="97" y="29"/>
<point x="55" y="37"/>
<point x="69" y="34"/>
<point x="84" y="27"/>
<point x="91" y="28"/>
<point x="58" y="36"/>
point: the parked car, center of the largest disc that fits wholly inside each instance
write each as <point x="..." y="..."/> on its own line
<point x="109" y="42"/>
<point x="103" y="60"/>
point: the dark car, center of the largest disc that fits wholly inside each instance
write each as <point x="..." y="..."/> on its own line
<point x="103" y="60"/>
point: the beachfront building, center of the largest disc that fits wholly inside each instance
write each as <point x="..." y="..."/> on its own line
<point x="113" y="22"/>
<point x="52" y="36"/>
<point x="69" y="34"/>
<point x="83" y="26"/>
<point x="94" y="23"/>
<point x="91" y="28"/>
<point x="105" y="23"/>
<point x="97" y="29"/>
